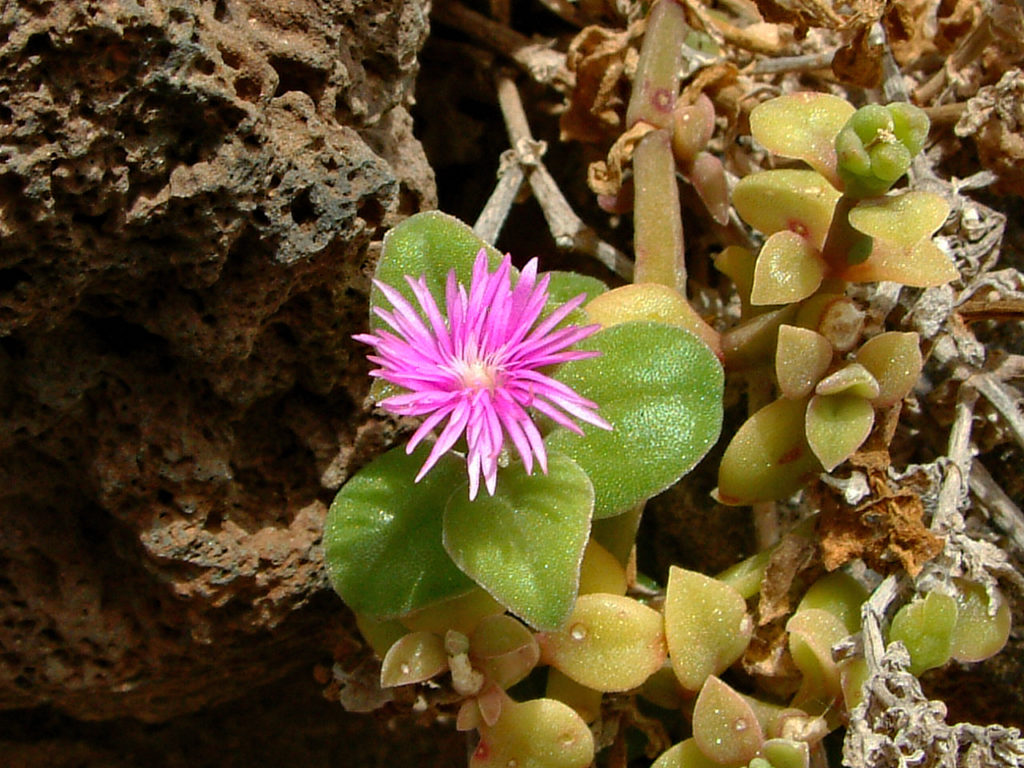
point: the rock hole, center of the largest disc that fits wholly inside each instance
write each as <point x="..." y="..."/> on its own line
<point x="37" y="44"/>
<point x="214" y="521"/>
<point x="205" y="66"/>
<point x="220" y="10"/>
<point x="248" y="88"/>
<point x="302" y="208"/>
<point x="178" y="16"/>
<point x="297" y="76"/>
<point x="6" y="115"/>
<point x="230" y="58"/>
<point x="11" y="278"/>
<point x="372" y="213"/>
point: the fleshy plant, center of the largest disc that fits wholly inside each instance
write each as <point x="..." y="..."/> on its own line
<point x="519" y="611"/>
<point x="825" y="227"/>
<point x="503" y="370"/>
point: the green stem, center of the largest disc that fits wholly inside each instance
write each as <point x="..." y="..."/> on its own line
<point x="657" y="72"/>
<point x="657" y="223"/>
<point x="844" y="245"/>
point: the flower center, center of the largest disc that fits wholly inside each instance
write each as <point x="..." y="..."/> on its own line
<point x="478" y="374"/>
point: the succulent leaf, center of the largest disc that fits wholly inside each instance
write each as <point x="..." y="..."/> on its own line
<point x="609" y="643"/>
<point x="894" y="359"/>
<point x="461" y="613"/>
<point x="796" y="200"/>
<point x="685" y="754"/>
<point x="801" y="359"/>
<point x="840" y="594"/>
<point x="901" y="227"/>
<point x="586" y="701"/>
<point x="851" y="379"/>
<point x="983" y="622"/>
<point x="769" y="457"/>
<point x="837" y="425"/>
<point x="503" y="649"/>
<point x="788" y="269"/>
<point x="601" y="571"/>
<point x="802" y="125"/>
<point x="706" y="625"/>
<point x="724" y="725"/>
<point x="812" y="633"/>
<point x="925" y="627"/>
<point x="416" y="657"/>
<point x="541" y="733"/>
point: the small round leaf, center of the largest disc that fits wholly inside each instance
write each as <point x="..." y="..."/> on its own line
<point x="610" y="643"/>
<point x="661" y="389"/>
<point x="524" y="544"/>
<point x="382" y="537"/>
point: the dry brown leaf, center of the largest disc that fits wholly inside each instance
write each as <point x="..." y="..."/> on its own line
<point x="995" y="120"/>
<point x="598" y="57"/>
<point x="767" y="657"/>
<point x="605" y="178"/>
<point x="793" y="563"/>
<point x="954" y="20"/>
<point x="802" y="14"/>
<point x="887" y="532"/>
<point x="859" y="62"/>
<point x="908" y="29"/>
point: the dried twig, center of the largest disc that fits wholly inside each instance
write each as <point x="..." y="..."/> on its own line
<point x="1006" y="515"/>
<point x="567" y="229"/>
<point x="954" y="484"/>
<point x="806" y="63"/>
<point x="540" y="62"/>
<point x="1005" y="399"/>
<point x="510" y="180"/>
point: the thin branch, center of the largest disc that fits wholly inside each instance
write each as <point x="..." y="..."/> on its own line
<point x="567" y="229"/>
<point x="872" y="613"/>
<point x="1005" y="399"/>
<point x="510" y="180"/>
<point x="540" y="62"/>
<point x="1004" y="512"/>
<point x="947" y="509"/>
<point x="806" y="63"/>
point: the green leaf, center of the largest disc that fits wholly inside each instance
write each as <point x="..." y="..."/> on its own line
<point x="429" y="244"/>
<point x="797" y="200"/>
<point x="788" y="270"/>
<point x="768" y="458"/>
<point x="524" y="545"/>
<point x="568" y="285"/>
<point x="661" y="389"/>
<point x="836" y="426"/>
<point x="382" y="537"/>
<point x="802" y="125"/>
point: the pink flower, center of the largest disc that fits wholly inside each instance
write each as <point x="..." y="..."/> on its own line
<point x="481" y="367"/>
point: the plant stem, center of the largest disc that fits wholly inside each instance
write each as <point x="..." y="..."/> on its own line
<point x="657" y="72"/>
<point x="843" y="240"/>
<point x="657" y="224"/>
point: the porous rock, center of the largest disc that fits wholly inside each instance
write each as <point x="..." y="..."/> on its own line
<point x="190" y="197"/>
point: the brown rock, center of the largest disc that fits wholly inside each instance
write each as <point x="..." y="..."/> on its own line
<point x="189" y="196"/>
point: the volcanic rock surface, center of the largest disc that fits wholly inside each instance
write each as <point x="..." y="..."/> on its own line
<point x="190" y="197"/>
